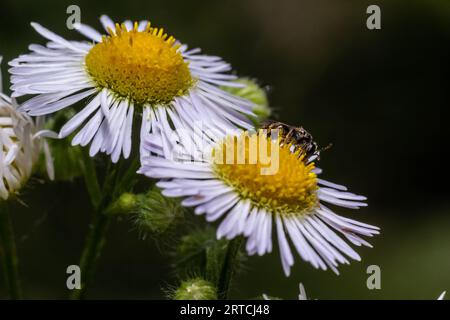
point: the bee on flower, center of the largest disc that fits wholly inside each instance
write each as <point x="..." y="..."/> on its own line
<point x="260" y="196"/>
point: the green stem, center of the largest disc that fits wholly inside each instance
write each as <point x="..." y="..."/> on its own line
<point x="96" y="237"/>
<point x="91" y="180"/>
<point x="8" y="248"/>
<point x="114" y="184"/>
<point x="230" y="263"/>
<point x="91" y="252"/>
<point x="213" y="264"/>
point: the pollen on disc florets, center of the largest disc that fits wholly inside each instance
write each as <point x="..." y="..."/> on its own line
<point x="144" y="66"/>
<point x="291" y="188"/>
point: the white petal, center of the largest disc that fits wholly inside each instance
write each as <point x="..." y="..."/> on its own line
<point x="54" y="37"/>
<point x="107" y="23"/>
<point x="88" y="31"/>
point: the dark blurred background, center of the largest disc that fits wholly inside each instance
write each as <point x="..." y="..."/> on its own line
<point x="381" y="97"/>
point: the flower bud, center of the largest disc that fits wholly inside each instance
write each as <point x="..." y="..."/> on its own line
<point x="196" y="289"/>
<point x="153" y="213"/>
<point x="253" y="92"/>
<point x="126" y="204"/>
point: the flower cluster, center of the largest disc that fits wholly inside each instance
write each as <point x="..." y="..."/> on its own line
<point x="20" y="146"/>
<point x="200" y="137"/>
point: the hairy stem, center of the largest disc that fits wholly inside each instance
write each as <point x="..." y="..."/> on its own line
<point x="9" y="253"/>
<point x="229" y="267"/>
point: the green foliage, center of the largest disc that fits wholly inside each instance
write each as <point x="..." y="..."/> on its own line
<point x="67" y="159"/>
<point x="199" y="252"/>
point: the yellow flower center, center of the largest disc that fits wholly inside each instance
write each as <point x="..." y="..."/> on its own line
<point x="145" y="67"/>
<point x="267" y="173"/>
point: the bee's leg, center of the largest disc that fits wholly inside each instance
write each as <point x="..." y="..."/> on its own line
<point x="289" y="135"/>
<point x="327" y="147"/>
<point x="302" y="150"/>
<point x="283" y="136"/>
<point x="267" y="127"/>
<point x="305" y="149"/>
<point x="319" y="150"/>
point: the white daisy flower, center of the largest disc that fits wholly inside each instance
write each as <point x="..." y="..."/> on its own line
<point x="132" y="68"/>
<point x="253" y="202"/>
<point x="20" y="146"/>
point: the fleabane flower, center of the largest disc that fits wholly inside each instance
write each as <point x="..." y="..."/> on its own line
<point x="20" y="146"/>
<point x="133" y="68"/>
<point x="260" y="186"/>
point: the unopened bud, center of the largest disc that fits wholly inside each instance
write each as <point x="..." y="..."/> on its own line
<point x="196" y="289"/>
<point x="253" y="92"/>
<point x="155" y="214"/>
<point x="126" y="204"/>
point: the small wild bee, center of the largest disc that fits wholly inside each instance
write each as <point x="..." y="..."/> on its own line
<point x="299" y="137"/>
